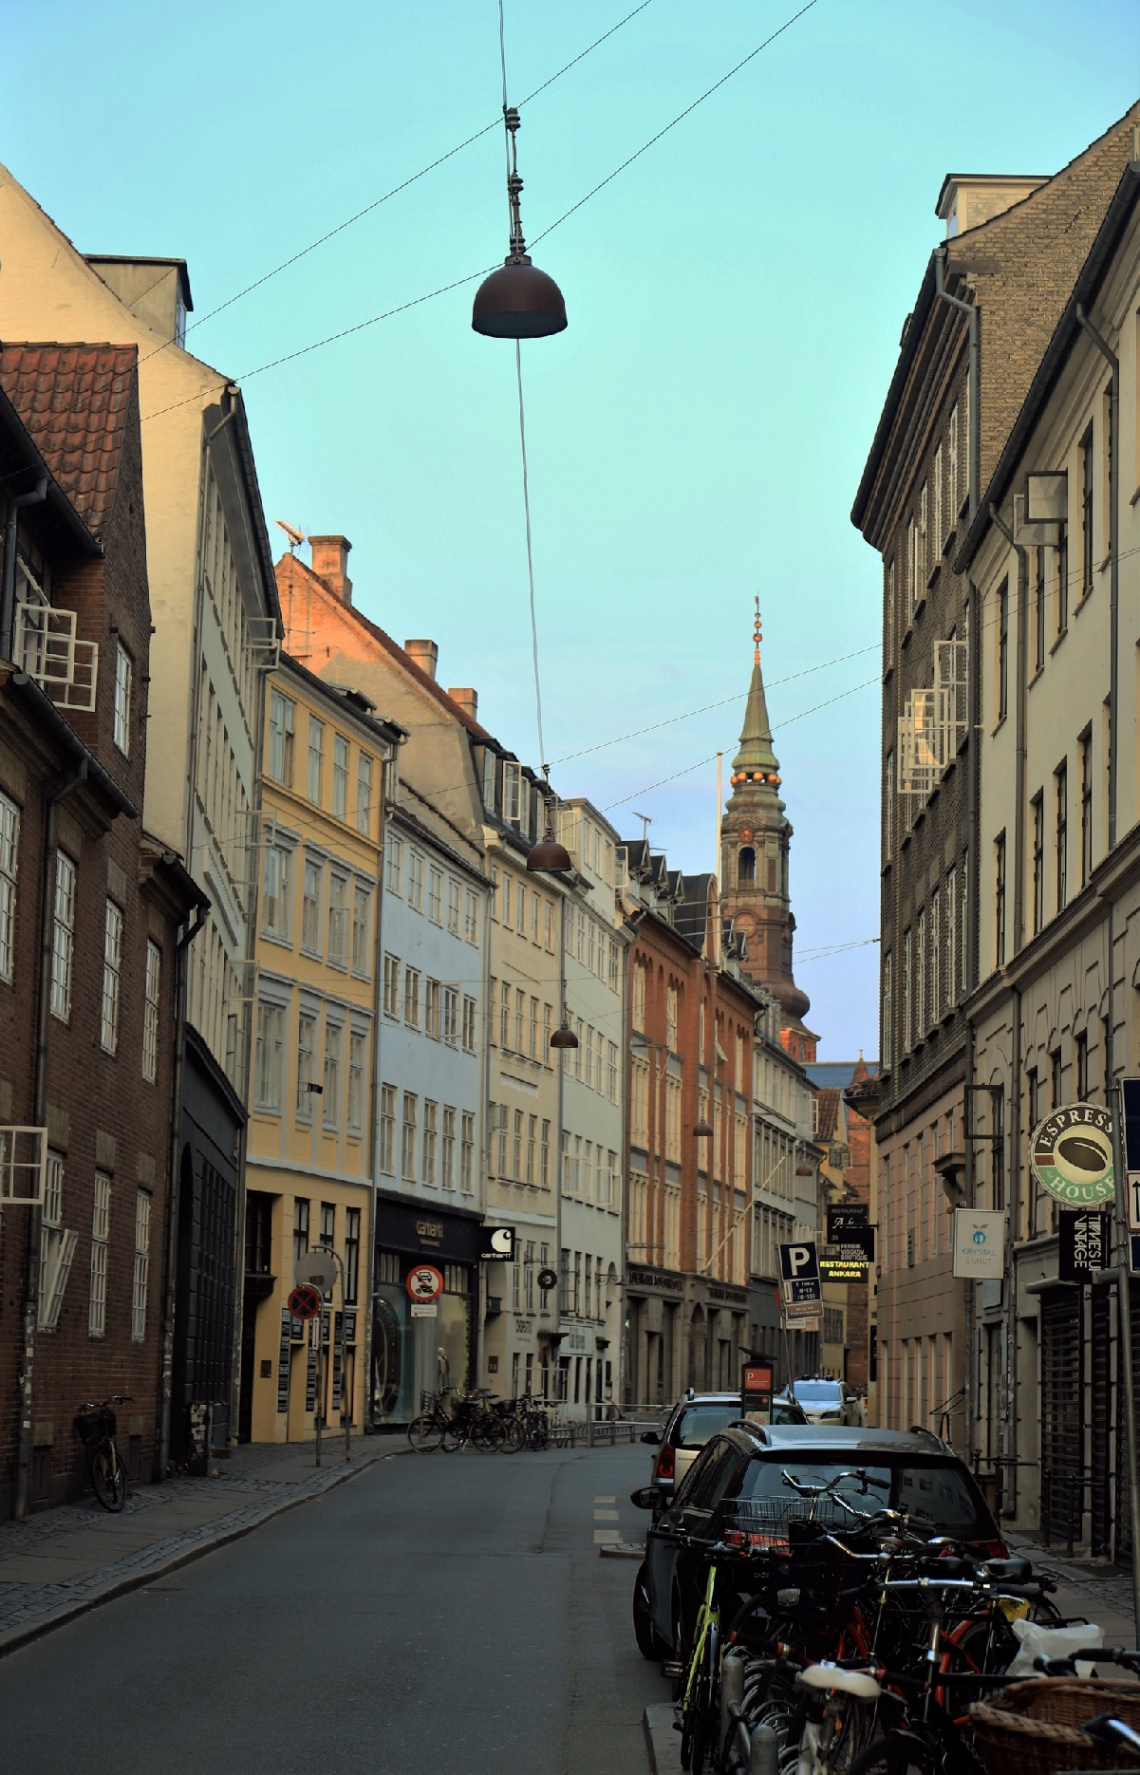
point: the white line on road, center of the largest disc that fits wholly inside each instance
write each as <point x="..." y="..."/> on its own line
<point x="609" y="1500"/>
<point x="603" y="1537"/>
<point x="606" y="1516"/>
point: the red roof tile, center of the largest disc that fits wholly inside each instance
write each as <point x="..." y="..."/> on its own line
<point x="74" y="401"/>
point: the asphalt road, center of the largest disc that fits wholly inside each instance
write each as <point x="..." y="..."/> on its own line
<point x="437" y="1613"/>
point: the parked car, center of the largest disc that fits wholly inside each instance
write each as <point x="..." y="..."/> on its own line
<point x="905" y="1470"/>
<point x="690" y="1424"/>
<point x="826" y="1401"/>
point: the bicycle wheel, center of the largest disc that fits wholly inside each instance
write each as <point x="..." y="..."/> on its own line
<point x="514" y="1436"/>
<point x="900" y="1753"/>
<point x="487" y="1433"/>
<point x="700" y="1718"/>
<point x="425" y="1433"/>
<point x="109" y="1477"/>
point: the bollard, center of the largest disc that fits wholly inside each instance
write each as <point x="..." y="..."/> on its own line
<point x="763" y="1751"/>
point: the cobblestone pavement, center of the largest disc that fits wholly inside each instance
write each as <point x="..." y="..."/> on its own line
<point x="64" y="1561"/>
<point x="1101" y="1593"/>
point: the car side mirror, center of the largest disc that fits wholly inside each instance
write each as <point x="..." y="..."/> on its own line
<point x="647" y="1497"/>
<point x="653" y="1436"/>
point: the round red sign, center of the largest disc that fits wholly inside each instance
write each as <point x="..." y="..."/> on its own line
<point x="424" y="1282"/>
<point x="305" y="1302"/>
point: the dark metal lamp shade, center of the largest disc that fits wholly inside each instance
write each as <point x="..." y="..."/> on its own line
<point x="564" y="1038"/>
<point x="549" y="854"/>
<point x="703" y="1130"/>
<point x="519" y="302"/>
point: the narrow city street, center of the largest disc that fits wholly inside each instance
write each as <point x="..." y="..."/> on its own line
<point x="449" y="1613"/>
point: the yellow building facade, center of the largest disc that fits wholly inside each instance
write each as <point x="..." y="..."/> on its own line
<point x="311" y="1138"/>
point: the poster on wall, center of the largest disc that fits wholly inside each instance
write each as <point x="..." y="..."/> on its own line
<point x="979" y="1243"/>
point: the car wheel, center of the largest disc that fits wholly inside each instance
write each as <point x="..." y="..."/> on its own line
<point x="649" y="1641"/>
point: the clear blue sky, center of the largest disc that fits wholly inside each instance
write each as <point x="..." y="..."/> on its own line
<point x="696" y="436"/>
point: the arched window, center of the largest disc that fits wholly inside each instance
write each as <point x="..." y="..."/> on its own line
<point x="746" y="864"/>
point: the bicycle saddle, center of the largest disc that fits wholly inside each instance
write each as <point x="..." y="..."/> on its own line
<point x="859" y="1683"/>
<point x="1017" y="1570"/>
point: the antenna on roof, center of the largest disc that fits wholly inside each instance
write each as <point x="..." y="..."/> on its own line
<point x="646" y="822"/>
<point x="296" y="537"/>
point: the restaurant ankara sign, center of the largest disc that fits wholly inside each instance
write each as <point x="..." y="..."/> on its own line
<point x="1071" y="1155"/>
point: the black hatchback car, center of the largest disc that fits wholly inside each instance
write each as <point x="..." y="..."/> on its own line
<point x="742" y="1470"/>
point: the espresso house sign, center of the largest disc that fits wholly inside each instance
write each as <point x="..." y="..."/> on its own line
<point x="1071" y="1155"/>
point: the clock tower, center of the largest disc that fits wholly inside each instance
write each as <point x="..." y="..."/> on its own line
<point x="755" y="839"/>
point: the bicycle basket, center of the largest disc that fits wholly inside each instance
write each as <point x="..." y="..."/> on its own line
<point x="93" y="1426"/>
<point x="1034" y="1729"/>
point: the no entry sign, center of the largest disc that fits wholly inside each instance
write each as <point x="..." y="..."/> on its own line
<point x="425" y="1282"/>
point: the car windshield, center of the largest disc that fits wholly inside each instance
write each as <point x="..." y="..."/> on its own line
<point x="818" y="1392"/>
<point x="698" y="1422"/>
<point x="936" y="1494"/>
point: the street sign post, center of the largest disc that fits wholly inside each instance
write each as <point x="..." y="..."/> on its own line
<point x="800" y="1288"/>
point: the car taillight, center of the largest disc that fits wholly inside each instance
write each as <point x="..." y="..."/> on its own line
<point x="994" y="1550"/>
<point x="666" y="1465"/>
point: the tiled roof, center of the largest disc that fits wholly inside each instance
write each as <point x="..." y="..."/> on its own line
<point x="74" y="401"/>
<point x="827" y="1113"/>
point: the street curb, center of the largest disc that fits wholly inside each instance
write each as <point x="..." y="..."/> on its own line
<point x="23" y="1635"/>
<point x="663" y="1742"/>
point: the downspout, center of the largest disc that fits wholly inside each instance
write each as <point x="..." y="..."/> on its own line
<point x="973" y="888"/>
<point x="1124" y="1281"/>
<point x="8" y="592"/>
<point x="974" y="438"/>
<point x="387" y="797"/>
<point x="1013" y="1133"/>
<point x="39" y="1119"/>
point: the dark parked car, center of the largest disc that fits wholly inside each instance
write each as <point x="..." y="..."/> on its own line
<point x="690" y="1424"/>
<point x="742" y="1470"/>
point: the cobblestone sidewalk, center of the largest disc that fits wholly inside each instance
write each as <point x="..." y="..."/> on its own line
<point x="65" y="1561"/>
<point x="1103" y="1595"/>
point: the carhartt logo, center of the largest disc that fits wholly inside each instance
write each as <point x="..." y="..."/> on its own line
<point x="429" y="1229"/>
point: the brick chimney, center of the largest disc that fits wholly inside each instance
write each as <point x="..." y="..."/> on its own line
<point x="425" y="654"/>
<point x="468" y="701"/>
<point x="330" y="563"/>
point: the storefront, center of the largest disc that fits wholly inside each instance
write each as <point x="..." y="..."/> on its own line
<point x="420" y="1352"/>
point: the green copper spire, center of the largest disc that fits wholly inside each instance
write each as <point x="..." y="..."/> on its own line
<point x="756" y="754"/>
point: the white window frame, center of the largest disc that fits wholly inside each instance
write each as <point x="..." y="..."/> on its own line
<point x="9" y="865"/>
<point x="316" y="759"/>
<point x="63" y="935"/>
<point x="100" y="1240"/>
<point x="112" y="977"/>
<point x="340" y="777"/>
<point x="141" y="1267"/>
<point x="122" y="719"/>
<point x="269" y="1055"/>
<point x="364" y="793"/>
<point x="279" y="740"/>
<point x="152" y="989"/>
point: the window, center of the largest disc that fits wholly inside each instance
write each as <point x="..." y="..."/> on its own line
<point x="547" y="1032"/>
<point x="300" y="1226"/>
<point x="1062" y="580"/>
<point x="270" y="1043"/>
<point x="1037" y="856"/>
<point x="505" y="1017"/>
<point x="388" y="1129"/>
<point x="939" y="527"/>
<point x="469" y="1014"/>
<point x="431" y="1008"/>
<point x="351" y="1256"/>
<point x="888" y="806"/>
<point x="1081" y="1065"/>
<point x="637" y="997"/>
<point x="952" y="937"/>
<point x="275" y="892"/>
<point x="999" y="900"/>
<point x="520" y="910"/>
<point x="340" y="777"/>
<point x="923" y="563"/>
<point x="517" y="1147"/>
<point x="364" y="793"/>
<point x="447" y="1149"/>
<point x="471" y="917"/>
<point x="1087" y="513"/>
<point x="889" y="625"/>
<point x="416" y="880"/>
<point x="431" y="1138"/>
<point x="467" y="1154"/>
<point x="907" y="1018"/>
<point x="316" y="758"/>
<point x="141" y="1267"/>
<point x="1039" y="613"/>
<point x="62" y="936"/>
<point x="408" y="1133"/>
<point x="935" y="956"/>
<point x="391" y="986"/>
<point x="520" y="1018"/>
<point x="512" y="793"/>
<point x="311" y="906"/>
<point x="453" y="906"/>
<point x="328" y="1225"/>
<point x="544" y="1156"/>
<point x="612" y="1071"/>
<point x="671" y="1019"/>
<point x="920" y="975"/>
<point x="1061" y="796"/>
<point x="450" y="1016"/>
<point x="1085" y="744"/>
<point x="911" y="558"/>
<point x="338" y="921"/>
<point x="361" y="929"/>
<point x="100" y="1234"/>
<point x="505" y="910"/>
<point x="9" y="853"/>
<point x="280" y="738"/>
<point x="534" y="915"/>
<point x="394" y="869"/>
<point x="885" y="1032"/>
<point x="952" y="428"/>
<point x="306" y="1049"/>
<point x="122" y="728"/>
<point x="112" y="971"/>
<point x="548" y="926"/>
<point x="357" y="1049"/>
<point x="150" y="1011"/>
<point x="531" y="1147"/>
<point x="1003" y="650"/>
<point x="330" y="1099"/>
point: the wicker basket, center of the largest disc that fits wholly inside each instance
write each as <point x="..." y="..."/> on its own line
<point x="1034" y="1729"/>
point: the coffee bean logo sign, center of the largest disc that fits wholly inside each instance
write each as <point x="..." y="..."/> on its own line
<point x="1081" y="1154"/>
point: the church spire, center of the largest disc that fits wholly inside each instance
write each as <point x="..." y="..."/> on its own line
<point x="755" y="760"/>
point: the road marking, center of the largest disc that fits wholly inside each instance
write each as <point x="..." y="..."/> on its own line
<point x="606" y="1516"/>
<point x="604" y="1537"/>
<point x="610" y="1500"/>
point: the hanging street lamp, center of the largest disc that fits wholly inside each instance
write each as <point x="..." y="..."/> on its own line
<point x="518" y="301"/>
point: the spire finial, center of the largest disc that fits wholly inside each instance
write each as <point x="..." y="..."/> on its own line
<point x="756" y="634"/>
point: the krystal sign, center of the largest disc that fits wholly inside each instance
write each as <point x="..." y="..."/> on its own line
<point x="1071" y="1155"/>
<point x="979" y="1243"/>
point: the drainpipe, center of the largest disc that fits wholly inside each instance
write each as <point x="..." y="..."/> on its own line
<point x="8" y="591"/>
<point x="389" y="772"/>
<point x="39" y="1119"/>
<point x="1124" y="1281"/>
<point x="973" y="886"/>
<point x="974" y="439"/>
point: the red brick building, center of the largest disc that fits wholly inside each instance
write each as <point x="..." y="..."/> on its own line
<point x="90" y="963"/>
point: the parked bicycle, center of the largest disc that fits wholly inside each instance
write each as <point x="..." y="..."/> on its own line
<point x="96" y="1426"/>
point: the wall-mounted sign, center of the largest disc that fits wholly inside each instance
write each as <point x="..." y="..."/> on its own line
<point x="850" y="1246"/>
<point x="1083" y="1240"/>
<point x="497" y="1242"/>
<point x="979" y="1243"/>
<point x="424" y="1283"/>
<point x="1071" y="1155"/>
